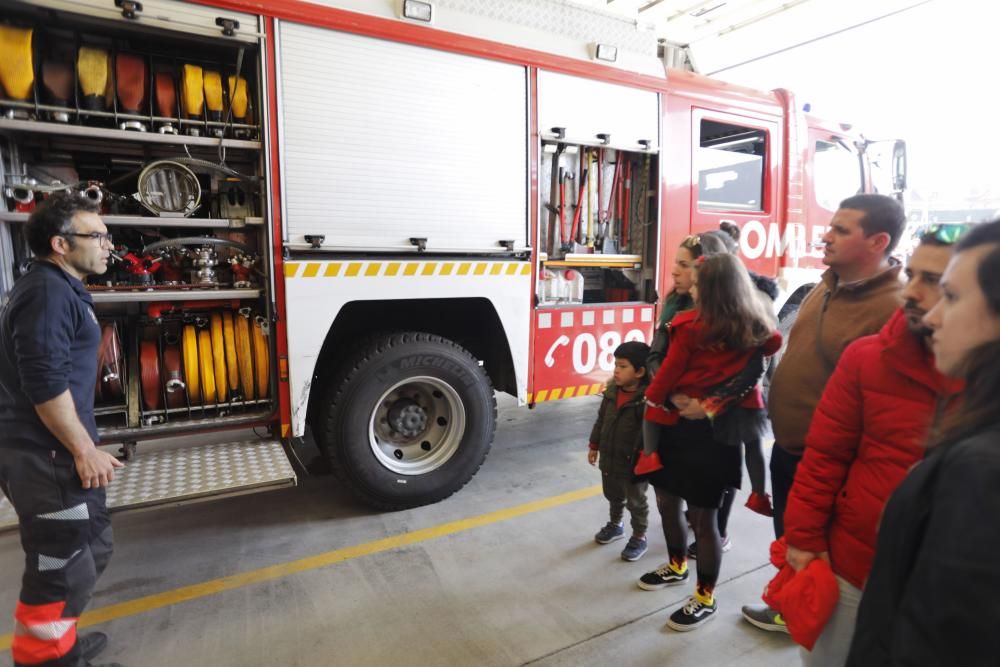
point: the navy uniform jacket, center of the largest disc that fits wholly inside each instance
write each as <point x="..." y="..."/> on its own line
<point x="49" y="336"/>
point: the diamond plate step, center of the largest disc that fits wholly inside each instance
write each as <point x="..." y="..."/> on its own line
<point x="179" y="475"/>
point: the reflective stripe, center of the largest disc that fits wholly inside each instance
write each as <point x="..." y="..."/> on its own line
<point x="75" y="513"/>
<point x="49" y="631"/>
<point x="48" y="563"/>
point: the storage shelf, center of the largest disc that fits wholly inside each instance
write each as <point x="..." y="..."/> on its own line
<point x="609" y="264"/>
<point x="127" y="295"/>
<point x="144" y="221"/>
<point x="65" y="129"/>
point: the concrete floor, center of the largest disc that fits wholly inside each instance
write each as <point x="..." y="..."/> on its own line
<point x="532" y="589"/>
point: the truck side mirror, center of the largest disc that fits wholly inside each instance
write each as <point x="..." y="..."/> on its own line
<point x="899" y="166"/>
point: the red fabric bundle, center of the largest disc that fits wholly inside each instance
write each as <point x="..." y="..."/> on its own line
<point x="805" y="599"/>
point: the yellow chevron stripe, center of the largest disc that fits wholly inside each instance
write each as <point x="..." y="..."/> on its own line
<point x="541" y="396"/>
<point x="285" y="430"/>
<point x="570" y="392"/>
<point x="583" y="390"/>
<point x="555" y="395"/>
<point x="596" y="389"/>
<point x="394" y="269"/>
<point x="530" y="397"/>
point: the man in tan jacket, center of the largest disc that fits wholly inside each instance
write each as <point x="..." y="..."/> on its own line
<point x="858" y="293"/>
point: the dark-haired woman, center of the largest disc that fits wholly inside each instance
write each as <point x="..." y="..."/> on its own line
<point x="709" y="344"/>
<point x="933" y="596"/>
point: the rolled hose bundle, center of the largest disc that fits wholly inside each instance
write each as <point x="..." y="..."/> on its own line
<point x="93" y="71"/>
<point x="238" y="99"/>
<point x="130" y="77"/>
<point x="213" y="95"/>
<point x="17" y="68"/>
<point x="192" y="91"/>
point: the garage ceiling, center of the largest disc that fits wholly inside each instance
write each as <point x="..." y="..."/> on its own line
<point x="722" y="34"/>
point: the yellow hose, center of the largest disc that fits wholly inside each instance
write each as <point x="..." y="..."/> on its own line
<point x="190" y="352"/>
<point x="260" y="359"/>
<point x="17" y="70"/>
<point x="244" y="355"/>
<point x="92" y="69"/>
<point x="219" y="356"/>
<point x="192" y="90"/>
<point x="232" y="366"/>
<point x="238" y="99"/>
<point x="205" y="364"/>
<point x="213" y="92"/>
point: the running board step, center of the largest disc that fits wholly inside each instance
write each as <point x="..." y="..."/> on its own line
<point x="192" y="473"/>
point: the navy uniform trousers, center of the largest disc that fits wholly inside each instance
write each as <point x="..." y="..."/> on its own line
<point x="67" y="541"/>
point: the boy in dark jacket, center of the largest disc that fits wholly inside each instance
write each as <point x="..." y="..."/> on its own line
<point x="615" y="441"/>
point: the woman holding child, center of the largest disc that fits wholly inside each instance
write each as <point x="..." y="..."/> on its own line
<point x="709" y="344"/>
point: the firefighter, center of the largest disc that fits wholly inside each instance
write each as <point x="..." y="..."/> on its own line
<point x="50" y="468"/>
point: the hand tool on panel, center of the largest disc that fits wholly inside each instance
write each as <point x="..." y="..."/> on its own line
<point x="192" y="96"/>
<point x="550" y="205"/>
<point x="609" y="244"/>
<point x="219" y="356"/>
<point x="189" y="349"/>
<point x="17" y="69"/>
<point x="93" y="72"/>
<point x="173" y="378"/>
<point x="166" y="101"/>
<point x="131" y="76"/>
<point x="244" y="352"/>
<point x="261" y="359"/>
<point x="206" y="367"/>
<point x="149" y="375"/>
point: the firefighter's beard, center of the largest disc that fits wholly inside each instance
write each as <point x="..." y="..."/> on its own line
<point x="915" y="320"/>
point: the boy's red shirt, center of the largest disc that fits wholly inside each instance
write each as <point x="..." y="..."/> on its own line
<point x="691" y="368"/>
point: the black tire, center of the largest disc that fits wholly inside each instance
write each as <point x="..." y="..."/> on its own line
<point x="438" y="450"/>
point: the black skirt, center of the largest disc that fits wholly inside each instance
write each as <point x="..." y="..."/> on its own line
<point x="696" y="467"/>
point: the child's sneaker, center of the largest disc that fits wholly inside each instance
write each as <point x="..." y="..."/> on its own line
<point x="692" y="552"/>
<point x="610" y="533"/>
<point x="647" y="463"/>
<point x="661" y="577"/>
<point x="760" y="503"/>
<point x="692" y="614"/>
<point x="635" y="548"/>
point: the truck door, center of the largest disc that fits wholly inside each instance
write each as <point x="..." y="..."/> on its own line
<point x="734" y="177"/>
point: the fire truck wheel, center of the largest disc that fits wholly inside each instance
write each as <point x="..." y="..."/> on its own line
<point x="409" y="421"/>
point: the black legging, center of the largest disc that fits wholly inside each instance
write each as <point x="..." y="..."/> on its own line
<point x="706" y="531"/>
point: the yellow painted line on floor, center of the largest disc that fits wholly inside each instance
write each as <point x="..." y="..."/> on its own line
<point x="215" y="586"/>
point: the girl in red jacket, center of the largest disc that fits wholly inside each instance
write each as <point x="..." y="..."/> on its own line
<point x="708" y="345"/>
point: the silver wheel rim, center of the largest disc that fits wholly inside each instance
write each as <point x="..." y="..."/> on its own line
<point x="417" y="425"/>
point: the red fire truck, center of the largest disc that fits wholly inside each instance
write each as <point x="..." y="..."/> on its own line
<point x="365" y="218"/>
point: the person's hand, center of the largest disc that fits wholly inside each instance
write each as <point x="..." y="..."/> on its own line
<point x="680" y="401"/>
<point x="799" y="559"/>
<point x="650" y="404"/>
<point x="691" y="409"/>
<point x="592" y="456"/>
<point x="96" y="468"/>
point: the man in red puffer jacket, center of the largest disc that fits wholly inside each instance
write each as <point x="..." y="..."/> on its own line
<point x="869" y="428"/>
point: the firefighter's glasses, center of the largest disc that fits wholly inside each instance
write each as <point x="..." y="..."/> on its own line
<point x="100" y="237"/>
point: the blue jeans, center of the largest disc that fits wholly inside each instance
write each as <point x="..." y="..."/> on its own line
<point x="782" y="467"/>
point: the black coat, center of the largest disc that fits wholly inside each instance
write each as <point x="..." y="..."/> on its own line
<point x="933" y="596"/>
